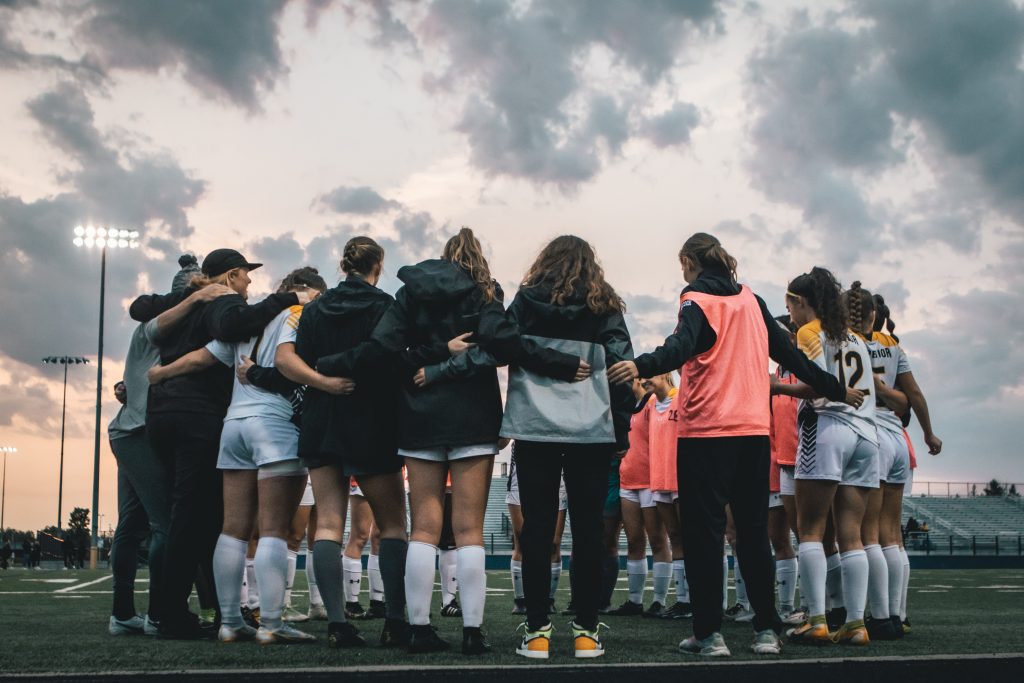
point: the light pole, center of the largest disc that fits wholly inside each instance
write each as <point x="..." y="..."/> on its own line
<point x="65" y="361"/>
<point x="3" y="489"/>
<point x="103" y="238"/>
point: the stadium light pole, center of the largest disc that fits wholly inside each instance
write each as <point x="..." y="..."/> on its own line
<point x="65" y="361"/>
<point x="103" y="238"/>
<point x="3" y="489"/>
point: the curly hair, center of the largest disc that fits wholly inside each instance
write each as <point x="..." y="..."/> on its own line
<point x="859" y="304"/>
<point x="708" y="252"/>
<point x="569" y="266"/>
<point x="306" y="276"/>
<point x="882" y="316"/>
<point x="821" y="290"/>
<point x="464" y="250"/>
<point x="361" y="255"/>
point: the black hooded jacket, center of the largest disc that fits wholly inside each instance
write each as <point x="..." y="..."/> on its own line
<point x="439" y="301"/>
<point x="356" y="430"/>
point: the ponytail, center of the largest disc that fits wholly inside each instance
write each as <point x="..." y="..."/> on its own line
<point x="821" y="290"/>
<point x="860" y="305"/>
<point x="706" y="251"/>
<point x="882" y="316"/>
<point x="464" y="250"/>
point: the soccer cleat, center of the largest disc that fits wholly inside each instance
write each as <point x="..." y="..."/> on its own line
<point x="377" y="610"/>
<point x="251" y="616"/>
<point x="880" y="629"/>
<point x="474" y="641"/>
<point x="712" y="646"/>
<point x="906" y="626"/>
<point x="395" y="633"/>
<point x="897" y="626"/>
<point x="293" y="615"/>
<point x="654" y="611"/>
<point x="208" y="616"/>
<point x="744" y="617"/>
<point x="126" y="627"/>
<point x="236" y="634"/>
<point x="739" y="611"/>
<point x="794" y="618"/>
<point x="835" y="618"/>
<point x="353" y="610"/>
<point x="766" y="642"/>
<point x="150" y="627"/>
<point x="452" y="609"/>
<point x="520" y="606"/>
<point x="812" y="632"/>
<point x="343" y="634"/>
<point x="852" y="633"/>
<point x="317" y="612"/>
<point x="627" y="609"/>
<point x="286" y="635"/>
<point x="680" y="610"/>
<point x="423" y="638"/>
<point x="587" y="643"/>
<point x="536" y="644"/>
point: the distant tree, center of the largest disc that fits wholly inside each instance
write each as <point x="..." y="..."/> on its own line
<point x="1013" y="491"/>
<point x="78" y="524"/>
<point x="994" y="488"/>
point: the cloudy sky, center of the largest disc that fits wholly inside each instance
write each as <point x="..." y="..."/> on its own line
<point x="881" y="138"/>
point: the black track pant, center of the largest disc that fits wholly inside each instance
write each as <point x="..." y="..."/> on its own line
<point x="539" y="467"/>
<point x="714" y="472"/>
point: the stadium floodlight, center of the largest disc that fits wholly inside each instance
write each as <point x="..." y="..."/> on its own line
<point x="3" y="489"/>
<point x="65" y="361"/>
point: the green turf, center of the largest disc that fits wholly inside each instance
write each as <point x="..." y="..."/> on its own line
<point x="953" y="612"/>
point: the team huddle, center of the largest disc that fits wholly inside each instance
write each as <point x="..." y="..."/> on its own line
<point x="244" y="425"/>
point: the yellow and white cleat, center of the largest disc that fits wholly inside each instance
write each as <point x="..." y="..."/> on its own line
<point x="536" y="644"/>
<point x="588" y="644"/>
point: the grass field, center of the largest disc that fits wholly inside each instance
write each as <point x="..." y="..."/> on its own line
<point x="55" y="621"/>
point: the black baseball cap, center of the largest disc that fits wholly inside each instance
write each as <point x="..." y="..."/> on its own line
<point x="220" y="261"/>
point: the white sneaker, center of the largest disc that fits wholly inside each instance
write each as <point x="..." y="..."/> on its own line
<point x="232" y="634"/>
<point x="766" y="643"/>
<point x="712" y="646"/>
<point x="317" y="612"/>
<point x="293" y="615"/>
<point x="794" y="618"/>
<point x="286" y="635"/>
<point x="150" y="627"/>
<point x="126" y="627"/>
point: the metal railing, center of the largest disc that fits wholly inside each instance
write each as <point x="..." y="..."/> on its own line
<point x="977" y="544"/>
<point x="962" y="489"/>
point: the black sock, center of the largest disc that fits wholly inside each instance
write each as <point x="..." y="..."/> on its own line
<point x="392" y="575"/>
<point x="327" y="567"/>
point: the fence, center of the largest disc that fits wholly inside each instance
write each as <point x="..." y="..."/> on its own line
<point x="930" y="543"/>
<point x="963" y="489"/>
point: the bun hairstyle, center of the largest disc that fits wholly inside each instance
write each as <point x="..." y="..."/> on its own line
<point x="307" y="276"/>
<point x="821" y="290"/>
<point x="859" y="304"/>
<point x="186" y="260"/>
<point x="569" y="266"/>
<point x="361" y="255"/>
<point x="706" y="251"/>
<point x="464" y="250"/>
<point x="882" y="318"/>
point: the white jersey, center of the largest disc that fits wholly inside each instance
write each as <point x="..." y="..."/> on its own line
<point x="247" y="400"/>
<point x="850" y="363"/>
<point x="888" y="361"/>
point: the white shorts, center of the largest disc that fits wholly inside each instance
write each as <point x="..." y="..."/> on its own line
<point x="443" y="454"/>
<point x="774" y="500"/>
<point x="667" y="497"/>
<point x="831" y="450"/>
<point x="512" y="497"/>
<point x="307" y="495"/>
<point x="642" y="497"/>
<point x="787" y="484"/>
<point x="248" y="443"/>
<point x="893" y="458"/>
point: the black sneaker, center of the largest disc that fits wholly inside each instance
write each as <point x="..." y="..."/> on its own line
<point x="423" y="638"/>
<point x="897" y="625"/>
<point x="452" y="609"/>
<point x="377" y="610"/>
<point x="880" y="629"/>
<point x="353" y="610"/>
<point x="186" y="628"/>
<point x="627" y="609"/>
<point x="570" y="610"/>
<point x="655" y="610"/>
<point x="343" y="634"/>
<point x="251" y="617"/>
<point x="680" y="610"/>
<point x="835" y="618"/>
<point x="551" y="607"/>
<point x="520" y="606"/>
<point x="395" y="633"/>
<point x="474" y="641"/>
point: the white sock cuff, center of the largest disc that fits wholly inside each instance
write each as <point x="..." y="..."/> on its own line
<point x="233" y="542"/>
<point x="872" y="547"/>
<point x="832" y="561"/>
<point x="516" y="564"/>
<point x="853" y="553"/>
<point x="811" y="545"/>
<point x="636" y="566"/>
<point x="662" y="568"/>
<point x="678" y="563"/>
<point x="293" y="554"/>
<point x="556" y="566"/>
<point x="269" y="541"/>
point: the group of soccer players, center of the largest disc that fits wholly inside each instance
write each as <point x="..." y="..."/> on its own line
<point x="253" y="412"/>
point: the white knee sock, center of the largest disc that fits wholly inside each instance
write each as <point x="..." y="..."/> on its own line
<point x="252" y="586"/>
<point x="906" y="583"/>
<point x="448" y="565"/>
<point x="516" y="567"/>
<point x="419" y="581"/>
<point x="314" y="590"/>
<point x="682" y="587"/>
<point x="376" y="582"/>
<point x="228" y="569"/>
<point x="293" y="562"/>
<point x="855" y="583"/>
<point x="725" y="581"/>
<point x="662" y="576"/>
<point x="472" y="581"/>
<point x="353" y="578"/>
<point x="834" y="581"/>
<point x="878" y="582"/>
<point x="272" y="575"/>
<point x="741" y="586"/>
<point x="785" y="574"/>
<point x="813" y="570"/>
<point x="636" y="573"/>
<point x="244" y="602"/>
<point x="556" y="574"/>
<point x="894" y="572"/>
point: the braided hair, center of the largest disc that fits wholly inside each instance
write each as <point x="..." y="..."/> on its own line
<point x="821" y="290"/>
<point x="860" y="305"/>
<point x="361" y="255"/>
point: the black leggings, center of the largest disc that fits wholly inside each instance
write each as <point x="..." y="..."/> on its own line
<point x="714" y="472"/>
<point x="539" y="466"/>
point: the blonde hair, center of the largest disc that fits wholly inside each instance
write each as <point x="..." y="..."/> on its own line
<point x="200" y="280"/>
<point x="464" y="250"/>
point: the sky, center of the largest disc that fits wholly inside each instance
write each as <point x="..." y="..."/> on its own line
<point x="883" y="139"/>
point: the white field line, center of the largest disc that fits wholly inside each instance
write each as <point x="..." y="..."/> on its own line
<point x="83" y="585"/>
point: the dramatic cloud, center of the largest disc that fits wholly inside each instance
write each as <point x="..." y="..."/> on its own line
<point x="356" y="200"/>
<point x="673" y="126"/>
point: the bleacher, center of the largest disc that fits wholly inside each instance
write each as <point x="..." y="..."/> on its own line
<point x="973" y="516"/>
